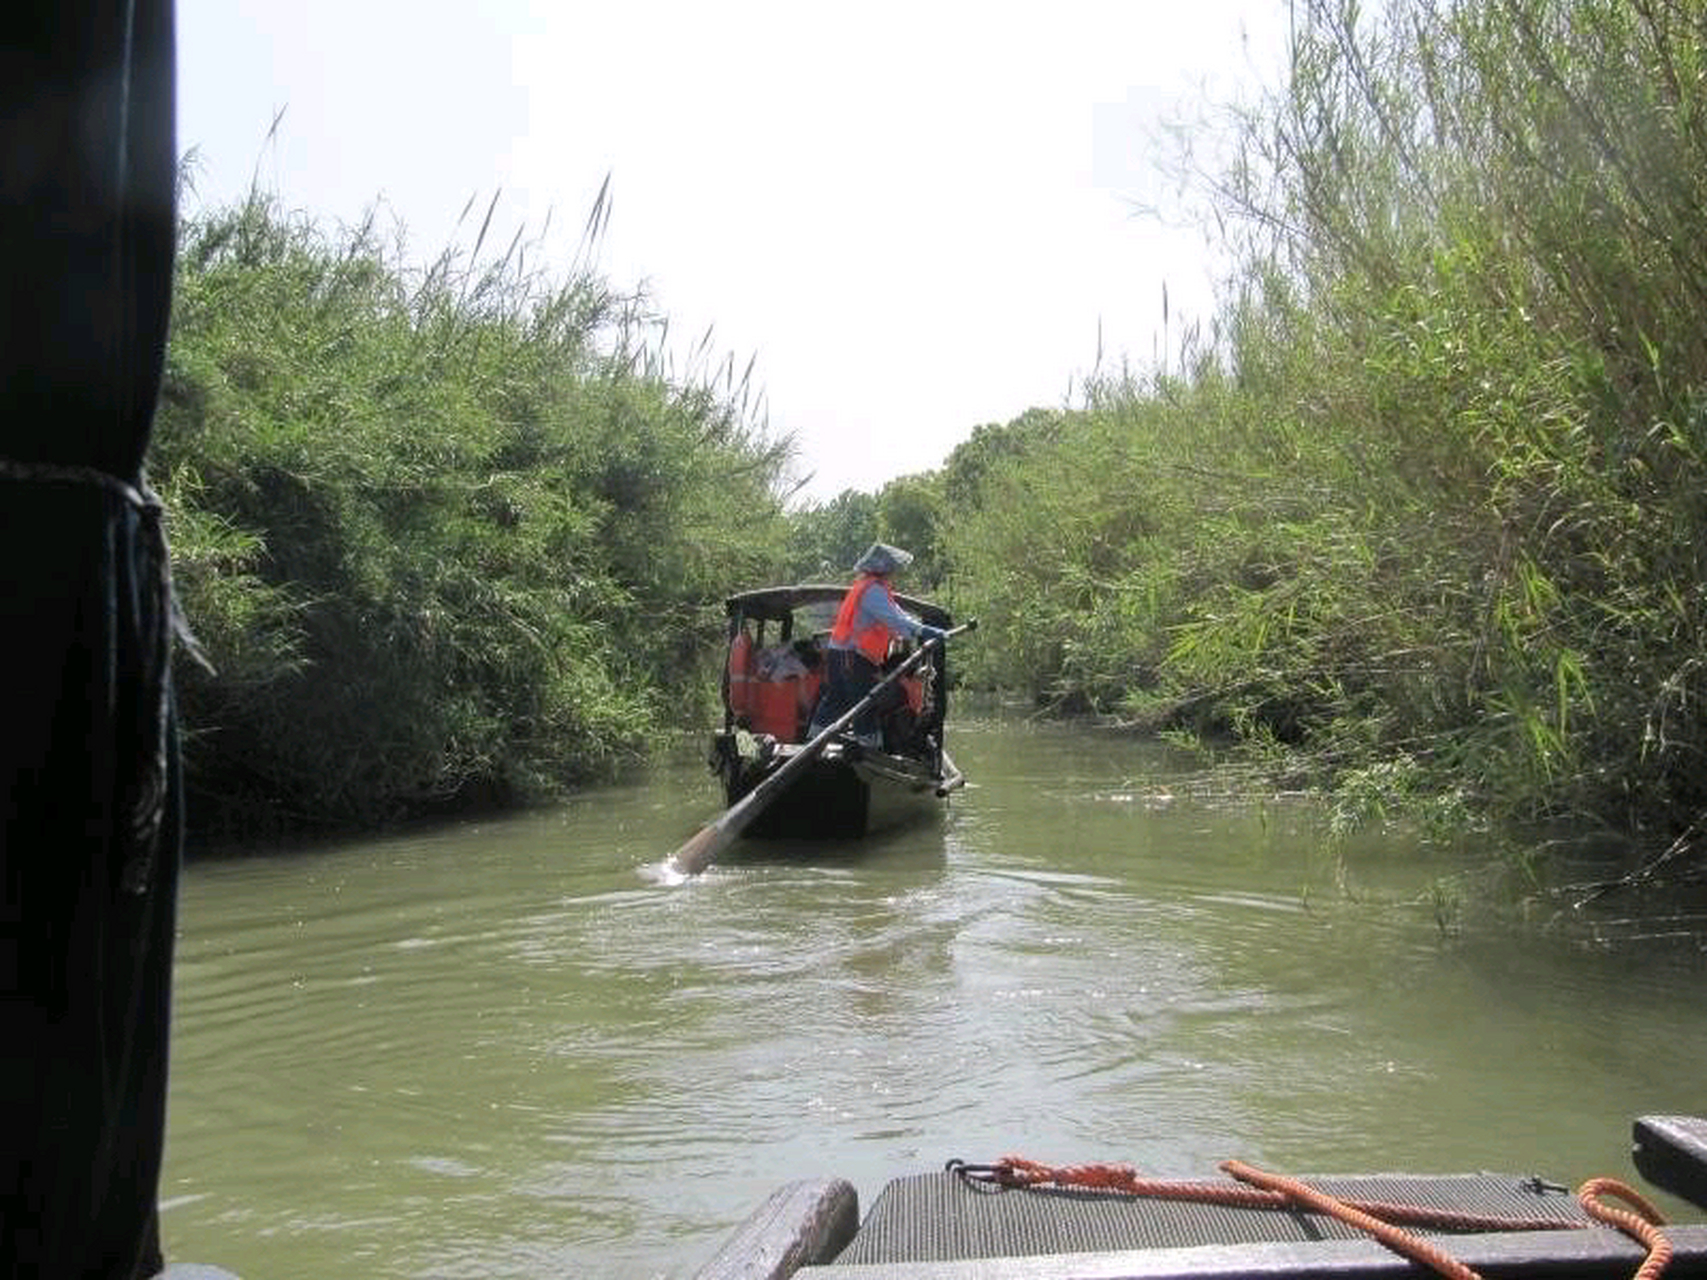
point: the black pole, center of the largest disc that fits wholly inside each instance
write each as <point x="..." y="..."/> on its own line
<point x="89" y="780"/>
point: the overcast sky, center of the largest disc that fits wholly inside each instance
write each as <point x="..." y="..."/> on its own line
<point x="918" y="217"/>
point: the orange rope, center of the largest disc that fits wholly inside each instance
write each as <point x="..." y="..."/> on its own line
<point x="1399" y="1241"/>
<point x="1018" y="1171"/>
<point x="1381" y="1219"/>
<point x="1643" y="1225"/>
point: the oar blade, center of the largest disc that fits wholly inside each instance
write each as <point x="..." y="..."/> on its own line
<point x="697" y="854"/>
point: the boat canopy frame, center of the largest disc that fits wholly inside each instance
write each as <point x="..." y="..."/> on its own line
<point x="778" y="604"/>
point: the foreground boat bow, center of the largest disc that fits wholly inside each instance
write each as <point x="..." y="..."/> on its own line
<point x="955" y="1225"/>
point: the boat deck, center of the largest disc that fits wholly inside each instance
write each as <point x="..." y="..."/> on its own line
<point x="939" y="1219"/>
<point x="945" y="1226"/>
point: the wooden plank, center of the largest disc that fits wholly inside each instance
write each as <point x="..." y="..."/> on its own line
<point x="1671" y="1153"/>
<point x="1588" y="1254"/>
<point x="801" y="1223"/>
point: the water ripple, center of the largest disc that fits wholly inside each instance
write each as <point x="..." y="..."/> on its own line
<point x="500" y="1049"/>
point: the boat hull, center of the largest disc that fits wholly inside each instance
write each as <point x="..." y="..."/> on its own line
<point x="846" y="793"/>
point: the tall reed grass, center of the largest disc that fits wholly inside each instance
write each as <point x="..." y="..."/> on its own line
<point x="1432" y="488"/>
<point x="446" y="535"/>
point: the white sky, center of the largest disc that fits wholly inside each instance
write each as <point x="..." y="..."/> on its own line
<point x="917" y="216"/>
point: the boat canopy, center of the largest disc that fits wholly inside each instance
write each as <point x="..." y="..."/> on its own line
<point x="778" y="604"/>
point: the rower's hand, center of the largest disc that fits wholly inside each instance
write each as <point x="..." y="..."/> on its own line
<point x="929" y="633"/>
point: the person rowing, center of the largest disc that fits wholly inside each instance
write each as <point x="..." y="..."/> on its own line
<point x="866" y="624"/>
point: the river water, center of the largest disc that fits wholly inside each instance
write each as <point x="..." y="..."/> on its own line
<point x="505" y="1049"/>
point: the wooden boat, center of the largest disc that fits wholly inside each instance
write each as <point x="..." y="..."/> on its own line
<point x="972" y="1224"/>
<point x="772" y="679"/>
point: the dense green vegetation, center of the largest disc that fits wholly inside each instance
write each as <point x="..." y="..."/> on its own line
<point x="1420" y="517"/>
<point x="443" y="538"/>
<point x="1425" y="515"/>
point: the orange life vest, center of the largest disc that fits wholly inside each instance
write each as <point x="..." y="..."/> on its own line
<point x="773" y="707"/>
<point x="873" y="642"/>
<point x="740" y="671"/>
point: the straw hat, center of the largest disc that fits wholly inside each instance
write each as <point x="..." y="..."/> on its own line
<point x="883" y="558"/>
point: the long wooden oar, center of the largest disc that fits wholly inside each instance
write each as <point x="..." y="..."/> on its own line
<point x="713" y="838"/>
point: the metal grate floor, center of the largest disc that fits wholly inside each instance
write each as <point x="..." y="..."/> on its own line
<point x="939" y="1217"/>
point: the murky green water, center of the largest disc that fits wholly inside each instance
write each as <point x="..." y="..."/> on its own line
<point x="502" y="1050"/>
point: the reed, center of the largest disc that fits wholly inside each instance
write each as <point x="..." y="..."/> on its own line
<point x="445" y="535"/>
<point x="1431" y="491"/>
